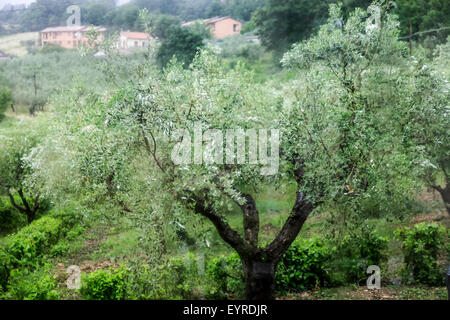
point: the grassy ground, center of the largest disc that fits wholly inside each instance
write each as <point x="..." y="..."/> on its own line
<point x="13" y="45"/>
<point x="389" y="292"/>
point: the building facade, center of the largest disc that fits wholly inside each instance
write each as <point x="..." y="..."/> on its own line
<point x="69" y="37"/>
<point x="221" y="27"/>
<point x="130" y="40"/>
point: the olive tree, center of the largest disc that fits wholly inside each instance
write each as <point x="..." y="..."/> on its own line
<point x="178" y="134"/>
<point x="16" y="142"/>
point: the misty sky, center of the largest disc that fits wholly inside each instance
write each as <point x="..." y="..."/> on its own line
<point x="3" y="2"/>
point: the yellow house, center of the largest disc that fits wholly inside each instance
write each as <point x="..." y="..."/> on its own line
<point x="221" y="27"/>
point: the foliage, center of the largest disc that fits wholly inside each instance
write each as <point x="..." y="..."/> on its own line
<point x="10" y="217"/>
<point x="181" y="43"/>
<point x="303" y="266"/>
<point x="341" y="114"/>
<point x="238" y="46"/>
<point x="344" y="112"/>
<point x="104" y="285"/>
<point x="172" y="279"/>
<point x="39" y="284"/>
<point x="423" y="15"/>
<point x="421" y="246"/>
<point x="160" y="25"/>
<point x="282" y="23"/>
<point x="5" y="101"/>
<point x="22" y="251"/>
<point x="356" y="252"/>
<point x="226" y="276"/>
<point x="15" y="145"/>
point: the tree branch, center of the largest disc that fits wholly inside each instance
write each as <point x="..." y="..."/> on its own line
<point x="300" y="212"/>
<point x="251" y="220"/>
<point x="13" y="202"/>
<point x="229" y="235"/>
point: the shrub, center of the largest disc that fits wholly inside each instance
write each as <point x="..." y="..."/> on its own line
<point x="421" y="246"/>
<point x="177" y="278"/>
<point x="10" y="218"/>
<point x="22" y="250"/>
<point x="37" y="285"/>
<point x="104" y="284"/>
<point x="303" y="266"/>
<point x="226" y="276"/>
<point x="356" y="252"/>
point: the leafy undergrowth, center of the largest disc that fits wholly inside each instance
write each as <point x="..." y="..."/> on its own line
<point x="107" y="244"/>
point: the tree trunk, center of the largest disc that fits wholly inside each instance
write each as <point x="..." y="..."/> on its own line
<point x="259" y="264"/>
<point x="259" y="279"/>
<point x="31" y="215"/>
<point x="445" y="194"/>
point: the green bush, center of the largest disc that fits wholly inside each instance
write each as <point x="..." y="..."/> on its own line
<point x="21" y="251"/>
<point x="421" y="246"/>
<point x="351" y="257"/>
<point x="226" y="276"/>
<point x="104" y="284"/>
<point x="37" y="285"/>
<point x="178" y="278"/>
<point x="303" y="266"/>
<point x="10" y="218"/>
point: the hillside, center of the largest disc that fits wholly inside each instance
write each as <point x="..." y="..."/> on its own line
<point x="15" y="44"/>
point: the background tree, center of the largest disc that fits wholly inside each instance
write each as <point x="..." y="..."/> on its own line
<point x="425" y="121"/>
<point x="182" y="43"/>
<point x="281" y="23"/>
<point x="161" y="23"/>
<point x="5" y="101"/>
<point x="424" y="15"/>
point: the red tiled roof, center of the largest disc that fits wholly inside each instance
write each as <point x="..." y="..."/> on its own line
<point x="135" y="35"/>
<point x="207" y="21"/>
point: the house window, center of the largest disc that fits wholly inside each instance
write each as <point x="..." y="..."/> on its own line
<point x="235" y="27"/>
<point x="135" y="43"/>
